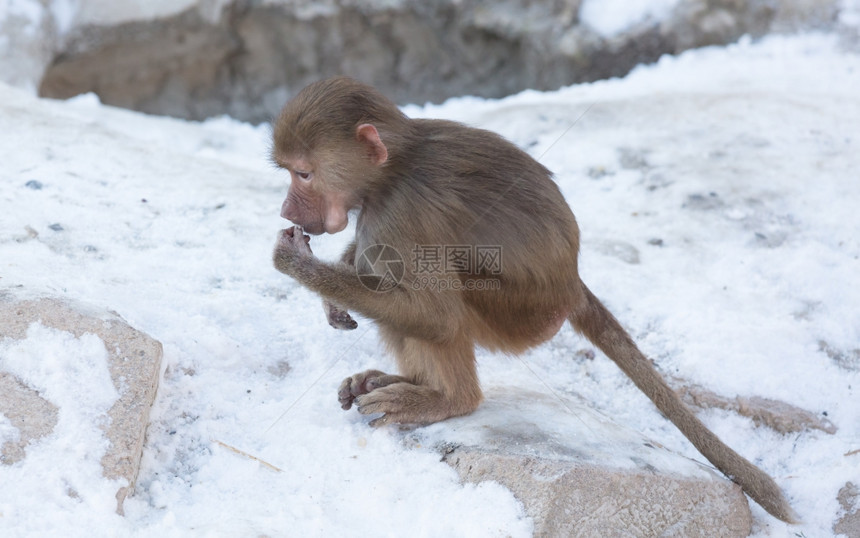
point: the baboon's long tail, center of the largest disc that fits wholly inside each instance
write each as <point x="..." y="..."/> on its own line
<point x="600" y="326"/>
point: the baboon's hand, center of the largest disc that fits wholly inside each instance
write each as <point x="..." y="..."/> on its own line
<point x="337" y="317"/>
<point x="292" y="245"/>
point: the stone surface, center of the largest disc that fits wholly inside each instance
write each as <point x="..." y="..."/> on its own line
<point x="33" y="416"/>
<point x="780" y="416"/>
<point x="849" y="500"/>
<point x="134" y="362"/>
<point x="579" y="474"/>
<point x="246" y="58"/>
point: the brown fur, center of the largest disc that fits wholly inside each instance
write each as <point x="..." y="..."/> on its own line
<point x="433" y="182"/>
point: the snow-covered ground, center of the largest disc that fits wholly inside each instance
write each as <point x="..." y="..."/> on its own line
<point x="717" y="194"/>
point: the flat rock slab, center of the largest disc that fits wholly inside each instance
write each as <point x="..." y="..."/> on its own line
<point x="133" y="362"/>
<point x="849" y="501"/>
<point x="579" y="474"/>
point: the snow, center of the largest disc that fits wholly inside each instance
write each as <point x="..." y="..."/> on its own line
<point x="849" y="13"/>
<point x="23" y="9"/>
<point x="109" y="12"/>
<point x="730" y="172"/>
<point x="8" y="432"/>
<point x="72" y="374"/>
<point x="611" y="17"/>
<point x="65" y="14"/>
<point x="25" y="15"/>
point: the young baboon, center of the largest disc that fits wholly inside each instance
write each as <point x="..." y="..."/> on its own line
<point x="433" y="186"/>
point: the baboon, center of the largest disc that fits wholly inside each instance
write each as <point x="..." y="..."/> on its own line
<point x="433" y="184"/>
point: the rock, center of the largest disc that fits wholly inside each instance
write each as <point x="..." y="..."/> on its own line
<point x="849" y="500"/>
<point x="579" y="474"/>
<point x="781" y="416"/>
<point x="134" y="362"/>
<point x="201" y="58"/>
<point x="777" y="415"/>
<point x="33" y="416"/>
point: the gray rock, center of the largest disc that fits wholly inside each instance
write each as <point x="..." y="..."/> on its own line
<point x="775" y="414"/>
<point x="248" y="58"/>
<point x="849" y="500"/>
<point x="33" y="416"/>
<point x="134" y="362"/>
<point x="579" y="474"/>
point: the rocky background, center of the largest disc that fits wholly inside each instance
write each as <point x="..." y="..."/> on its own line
<point x="200" y="58"/>
<point x="724" y="179"/>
